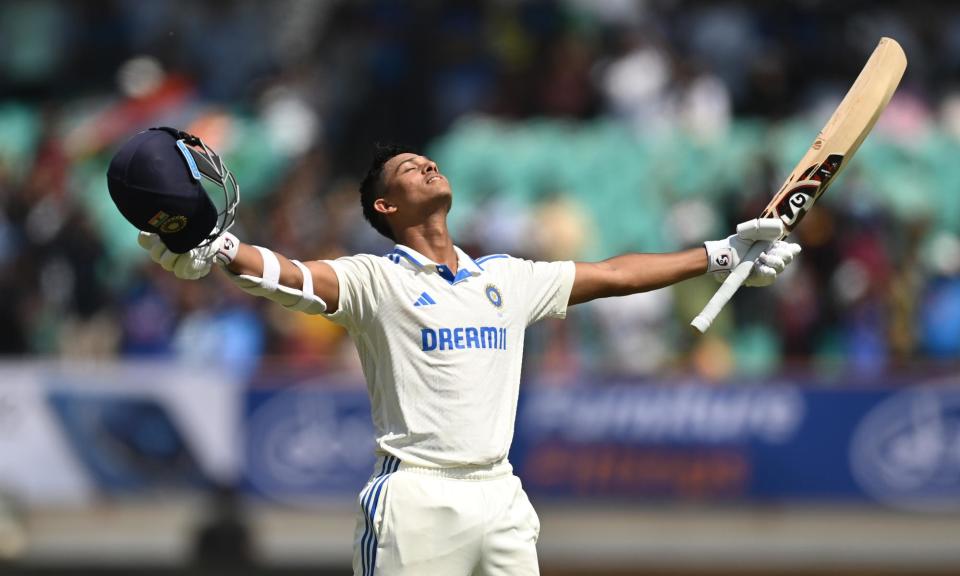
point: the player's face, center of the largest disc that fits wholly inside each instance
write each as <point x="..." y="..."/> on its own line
<point x="411" y="179"/>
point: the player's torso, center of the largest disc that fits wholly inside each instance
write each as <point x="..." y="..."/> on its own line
<point x="459" y="325"/>
<point x="445" y="359"/>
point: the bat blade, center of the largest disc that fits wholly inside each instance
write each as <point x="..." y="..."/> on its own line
<point x="829" y="154"/>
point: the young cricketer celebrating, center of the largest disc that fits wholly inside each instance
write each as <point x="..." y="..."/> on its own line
<point x="440" y="337"/>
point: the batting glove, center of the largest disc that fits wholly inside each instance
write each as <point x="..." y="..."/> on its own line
<point x="724" y="255"/>
<point x="194" y="264"/>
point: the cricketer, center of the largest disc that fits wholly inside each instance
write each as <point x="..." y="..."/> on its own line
<point x="440" y="336"/>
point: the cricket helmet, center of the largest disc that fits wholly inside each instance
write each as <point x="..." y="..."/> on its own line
<point x="169" y="182"/>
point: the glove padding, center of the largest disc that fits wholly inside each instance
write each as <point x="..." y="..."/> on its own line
<point x="725" y="255"/>
<point x="191" y="265"/>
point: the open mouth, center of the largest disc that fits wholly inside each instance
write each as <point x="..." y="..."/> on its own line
<point x="431" y="179"/>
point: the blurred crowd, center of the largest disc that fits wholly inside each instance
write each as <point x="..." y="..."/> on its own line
<point x="569" y="129"/>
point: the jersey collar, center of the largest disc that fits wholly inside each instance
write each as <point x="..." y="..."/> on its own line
<point x="466" y="267"/>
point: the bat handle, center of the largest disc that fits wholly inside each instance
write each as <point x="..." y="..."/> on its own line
<point x="726" y="290"/>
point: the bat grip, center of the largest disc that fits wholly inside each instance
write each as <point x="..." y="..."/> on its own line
<point x="729" y="287"/>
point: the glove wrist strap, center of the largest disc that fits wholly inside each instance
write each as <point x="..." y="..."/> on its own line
<point x="228" y="249"/>
<point x="720" y="255"/>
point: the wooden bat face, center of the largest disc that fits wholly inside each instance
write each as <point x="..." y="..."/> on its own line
<point x="828" y="155"/>
<point x="796" y="197"/>
<point x="841" y="136"/>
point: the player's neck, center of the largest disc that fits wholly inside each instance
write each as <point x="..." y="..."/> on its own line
<point x="431" y="239"/>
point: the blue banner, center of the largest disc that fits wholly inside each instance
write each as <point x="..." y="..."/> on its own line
<point x="769" y="443"/>
<point x="898" y="447"/>
<point x="307" y="443"/>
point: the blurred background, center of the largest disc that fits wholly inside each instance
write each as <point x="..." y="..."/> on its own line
<point x="159" y="425"/>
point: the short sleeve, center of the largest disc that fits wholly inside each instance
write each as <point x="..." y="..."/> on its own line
<point x="548" y="286"/>
<point x="358" y="278"/>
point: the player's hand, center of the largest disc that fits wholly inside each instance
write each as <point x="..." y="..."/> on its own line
<point x="194" y="264"/>
<point x="724" y="255"/>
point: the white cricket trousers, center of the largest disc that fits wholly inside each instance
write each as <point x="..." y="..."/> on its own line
<point x="446" y="522"/>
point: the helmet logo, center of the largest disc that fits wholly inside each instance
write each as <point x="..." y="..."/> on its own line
<point x="168" y="224"/>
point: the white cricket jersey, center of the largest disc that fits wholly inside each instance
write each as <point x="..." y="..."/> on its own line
<point x="441" y="353"/>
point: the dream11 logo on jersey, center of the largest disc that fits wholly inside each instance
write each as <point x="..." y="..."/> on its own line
<point x="906" y="451"/>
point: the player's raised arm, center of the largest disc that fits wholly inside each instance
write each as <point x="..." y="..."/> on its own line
<point x="632" y="273"/>
<point x="306" y="287"/>
<point x="181" y="195"/>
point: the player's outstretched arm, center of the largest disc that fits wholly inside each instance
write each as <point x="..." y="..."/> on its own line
<point x="249" y="262"/>
<point x="310" y="287"/>
<point x="633" y="273"/>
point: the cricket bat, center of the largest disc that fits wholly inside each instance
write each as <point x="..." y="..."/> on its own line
<point x="828" y="155"/>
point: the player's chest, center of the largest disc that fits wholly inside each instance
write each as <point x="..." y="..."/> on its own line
<point x="477" y="300"/>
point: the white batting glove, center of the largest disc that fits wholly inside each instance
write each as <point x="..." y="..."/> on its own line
<point x="724" y="255"/>
<point x="194" y="264"/>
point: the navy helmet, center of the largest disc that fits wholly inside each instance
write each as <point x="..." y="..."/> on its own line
<point x="169" y="182"/>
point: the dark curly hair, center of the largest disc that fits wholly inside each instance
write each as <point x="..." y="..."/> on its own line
<point x="372" y="186"/>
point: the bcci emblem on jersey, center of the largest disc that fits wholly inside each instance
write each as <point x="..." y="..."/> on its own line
<point x="494" y="296"/>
